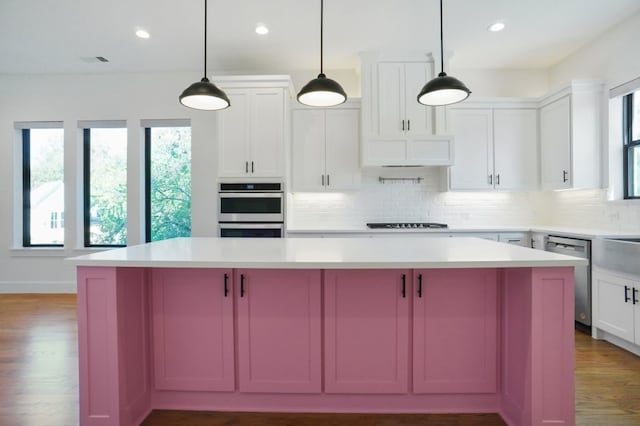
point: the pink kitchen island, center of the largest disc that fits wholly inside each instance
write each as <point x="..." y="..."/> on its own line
<point x="376" y="325"/>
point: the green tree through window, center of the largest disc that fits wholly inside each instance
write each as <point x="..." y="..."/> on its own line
<point x="168" y="187"/>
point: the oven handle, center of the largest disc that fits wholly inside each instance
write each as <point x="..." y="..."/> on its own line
<point x="251" y="195"/>
<point x="228" y="225"/>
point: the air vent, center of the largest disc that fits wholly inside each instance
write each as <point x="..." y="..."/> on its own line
<point x="94" y="59"/>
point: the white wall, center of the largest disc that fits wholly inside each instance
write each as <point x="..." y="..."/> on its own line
<point x="613" y="57"/>
<point x="69" y="98"/>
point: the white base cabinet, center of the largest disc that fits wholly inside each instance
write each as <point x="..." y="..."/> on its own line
<point x="616" y="304"/>
<point x="496" y="146"/>
<point x="326" y="154"/>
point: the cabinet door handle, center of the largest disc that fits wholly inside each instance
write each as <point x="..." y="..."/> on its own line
<point x="635" y="300"/>
<point x="241" y="285"/>
<point x="626" y="294"/>
<point x="419" y="285"/>
<point x="404" y="285"/>
<point x="246" y="167"/>
<point x="328" y="180"/>
<point x="490" y="179"/>
<point x="408" y="125"/>
<point x="498" y="179"/>
<point x="226" y="285"/>
<point x="322" y="180"/>
<point x="565" y="176"/>
<point x="252" y="167"/>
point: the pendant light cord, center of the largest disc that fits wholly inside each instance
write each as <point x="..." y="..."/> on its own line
<point x="205" y="38"/>
<point x="441" y="42"/>
<point x="321" y="33"/>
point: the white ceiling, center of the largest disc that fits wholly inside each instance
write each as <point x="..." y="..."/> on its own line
<point x="52" y="36"/>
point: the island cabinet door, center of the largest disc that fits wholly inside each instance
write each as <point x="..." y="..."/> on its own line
<point x="279" y="338"/>
<point x="193" y="329"/>
<point x="366" y="331"/>
<point x="454" y="331"/>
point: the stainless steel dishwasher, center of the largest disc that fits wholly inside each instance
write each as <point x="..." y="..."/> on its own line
<point x="576" y="248"/>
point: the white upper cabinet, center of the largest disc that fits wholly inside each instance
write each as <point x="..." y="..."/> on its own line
<point x="570" y="134"/>
<point x="325" y="148"/>
<point x="496" y="146"/>
<point x="251" y="133"/>
<point x="473" y="129"/>
<point x="399" y="113"/>
<point x="396" y="129"/>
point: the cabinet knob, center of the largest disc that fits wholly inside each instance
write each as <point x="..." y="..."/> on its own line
<point x="328" y="180"/>
<point x="226" y="285"/>
<point x="322" y="180"/>
<point x="490" y="179"/>
<point x="565" y="176"/>
<point x="626" y="294"/>
<point x="403" y="125"/>
<point x="419" y="285"/>
<point x="408" y="125"/>
<point x="241" y="285"/>
<point x="246" y="167"/>
<point x="252" y="167"/>
<point x="498" y="179"/>
<point x="634" y="292"/>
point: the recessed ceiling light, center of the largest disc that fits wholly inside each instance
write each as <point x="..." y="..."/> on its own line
<point x="262" y="29"/>
<point x="495" y="27"/>
<point x="143" y="34"/>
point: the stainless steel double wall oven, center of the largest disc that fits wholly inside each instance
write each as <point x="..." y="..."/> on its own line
<point x="254" y="210"/>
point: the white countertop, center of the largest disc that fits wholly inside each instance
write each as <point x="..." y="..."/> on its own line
<point x="326" y="253"/>
<point x="585" y="233"/>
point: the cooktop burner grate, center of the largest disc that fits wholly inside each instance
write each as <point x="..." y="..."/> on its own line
<point x="405" y="225"/>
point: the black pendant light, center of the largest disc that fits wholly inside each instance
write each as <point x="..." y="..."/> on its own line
<point x="204" y="94"/>
<point x="444" y="89"/>
<point x="322" y="91"/>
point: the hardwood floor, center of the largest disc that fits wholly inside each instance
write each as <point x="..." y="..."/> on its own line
<point x="39" y="379"/>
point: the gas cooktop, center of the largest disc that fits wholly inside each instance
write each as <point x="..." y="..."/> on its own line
<point x="405" y="225"/>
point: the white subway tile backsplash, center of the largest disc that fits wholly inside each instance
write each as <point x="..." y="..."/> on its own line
<point x="426" y="201"/>
<point x="408" y="201"/>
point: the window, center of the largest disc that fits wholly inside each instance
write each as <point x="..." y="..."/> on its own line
<point x="42" y="184"/>
<point x="631" y="137"/>
<point x="105" y="185"/>
<point x="167" y="182"/>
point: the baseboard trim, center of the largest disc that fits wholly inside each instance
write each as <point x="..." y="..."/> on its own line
<point x="38" y="287"/>
<point x="615" y="340"/>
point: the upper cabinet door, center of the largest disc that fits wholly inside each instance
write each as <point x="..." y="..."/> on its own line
<point x="233" y="134"/>
<point x="419" y="118"/>
<point x="308" y="139"/>
<point x="267" y="133"/>
<point x="342" y="149"/>
<point x="515" y="135"/>
<point x="251" y="134"/>
<point x="390" y="96"/>
<point x="473" y="129"/>
<point x="555" y="144"/>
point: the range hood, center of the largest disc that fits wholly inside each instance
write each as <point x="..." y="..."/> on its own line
<point x="416" y="151"/>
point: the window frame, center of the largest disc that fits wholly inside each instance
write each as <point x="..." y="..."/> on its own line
<point x="148" y="125"/>
<point x="628" y="146"/>
<point x="86" y="182"/>
<point x="26" y="188"/>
